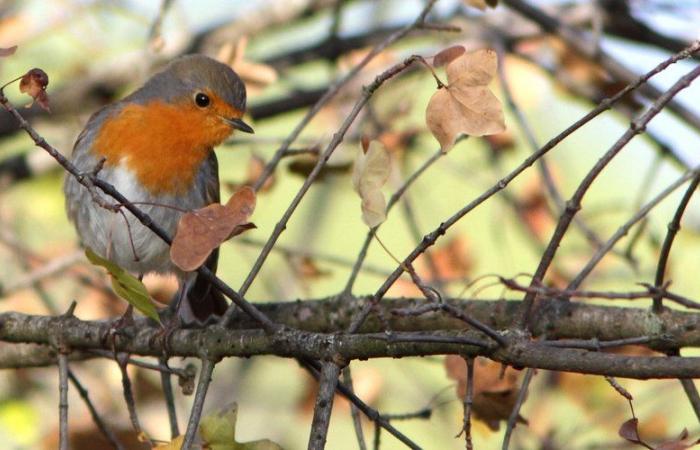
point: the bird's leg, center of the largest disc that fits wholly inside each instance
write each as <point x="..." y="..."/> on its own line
<point x="172" y="320"/>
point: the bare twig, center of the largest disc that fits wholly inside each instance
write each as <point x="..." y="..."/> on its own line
<point x="200" y="395"/>
<point x="332" y="145"/>
<point x="433" y="236"/>
<point x="63" y="401"/>
<point x="96" y="417"/>
<point x="324" y="405"/>
<point x="333" y="90"/>
<point x="574" y="204"/>
<point x="515" y="413"/>
<point x="624" y="228"/>
<point x="673" y="228"/>
<point x="129" y="397"/>
<point x="468" y="398"/>
<point x="354" y="412"/>
<point x="167" y="385"/>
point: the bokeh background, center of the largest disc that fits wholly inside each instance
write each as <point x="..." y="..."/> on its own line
<point x="99" y="51"/>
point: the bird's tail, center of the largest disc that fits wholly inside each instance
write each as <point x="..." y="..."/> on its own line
<point x="203" y="300"/>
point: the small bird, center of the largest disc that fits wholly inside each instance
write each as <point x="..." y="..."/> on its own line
<point x="156" y="148"/>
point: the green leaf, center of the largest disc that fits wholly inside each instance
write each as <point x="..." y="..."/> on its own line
<point x="126" y="285"/>
<point x="218" y="430"/>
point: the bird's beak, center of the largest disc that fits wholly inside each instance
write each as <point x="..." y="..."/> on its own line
<point x="238" y="124"/>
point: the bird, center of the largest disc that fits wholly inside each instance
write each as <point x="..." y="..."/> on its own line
<point x="155" y="146"/>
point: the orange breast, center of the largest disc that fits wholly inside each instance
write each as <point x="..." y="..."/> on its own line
<point x="162" y="143"/>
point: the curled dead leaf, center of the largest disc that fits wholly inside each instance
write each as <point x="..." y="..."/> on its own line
<point x="199" y="232"/>
<point x="466" y="105"/>
<point x="370" y="172"/>
<point x="33" y="83"/>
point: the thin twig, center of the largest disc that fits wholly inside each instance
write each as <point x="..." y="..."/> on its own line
<point x="324" y="405"/>
<point x="202" y="386"/>
<point x="468" y="399"/>
<point x="433" y="236"/>
<point x="333" y="90"/>
<point x="574" y="204"/>
<point x="314" y="367"/>
<point x="63" y="401"/>
<point x="96" y="417"/>
<point x="673" y="228"/>
<point x="332" y="145"/>
<point x="515" y="413"/>
<point x="624" y="228"/>
<point x="354" y="412"/>
<point x="167" y="385"/>
<point x="129" y="398"/>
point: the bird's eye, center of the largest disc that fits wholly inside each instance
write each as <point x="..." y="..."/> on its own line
<point x="201" y="99"/>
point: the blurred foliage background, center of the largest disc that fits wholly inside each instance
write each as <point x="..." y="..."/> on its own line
<point x="98" y="51"/>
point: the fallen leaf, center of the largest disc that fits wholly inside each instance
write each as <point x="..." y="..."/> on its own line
<point x="370" y="172"/>
<point x="495" y="390"/>
<point x="199" y="232"/>
<point x="8" y="51"/>
<point x="466" y="105"/>
<point x="448" y="55"/>
<point x="126" y="285"/>
<point x="33" y="83"/>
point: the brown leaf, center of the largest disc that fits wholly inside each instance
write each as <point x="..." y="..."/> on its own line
<point x="495" y="389"/>
<point x="448" y="55"/>
<point x="34" y="83"/>
<point x="369" y="174"/>
<point x="199" y="232"/>
<point x="628" y="430"/>
<point x="304" y="165"/>
<point x="466" y="105"/>
<point x="8" y="51"/>
<point x="678" y="443"/>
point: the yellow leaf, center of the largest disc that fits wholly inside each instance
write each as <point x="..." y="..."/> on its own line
<point x="369" y="174"/>
<point x="466" y="105"/>
<point x="126" y="285"/>
<point x="218" y="431"/>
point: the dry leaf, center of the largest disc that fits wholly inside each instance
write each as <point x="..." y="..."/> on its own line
<point x="34" y="83"/>
<point x="448" y="55"/>
<point x="466" y="105"/>
<point x="199" y="232"/>
<point x="628" y="431"/>
<point x="679" y="443"/>
<point x="8" y="51"/>
<point x="495" y="390"/>
<point x="369" y="174"/>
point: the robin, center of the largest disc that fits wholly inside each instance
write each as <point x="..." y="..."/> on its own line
<point x="156" y="146"/>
